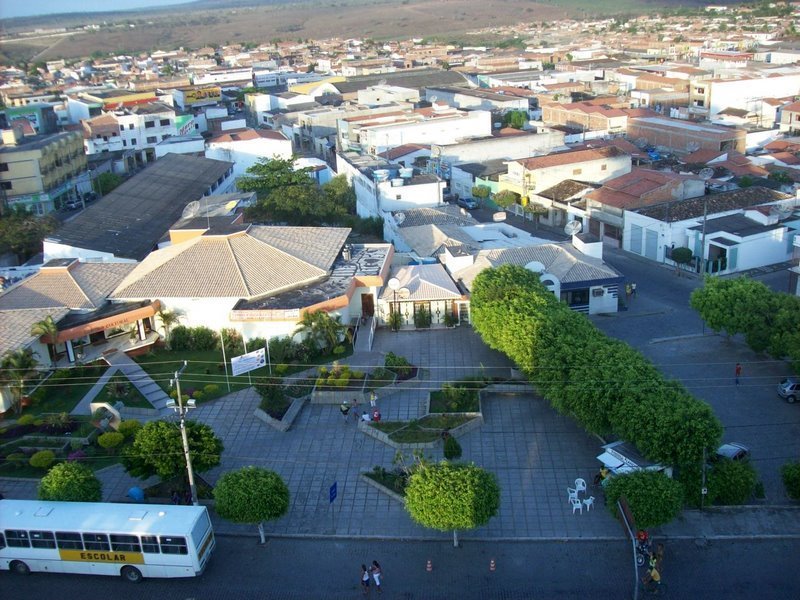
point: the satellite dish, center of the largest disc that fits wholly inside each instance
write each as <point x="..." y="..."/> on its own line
<point x="783" y="209"/>
<point x="693" y="146"/>
<point x="399" y="218"/>
<point x="706" y="173"/>
<point x="641" y="143"/>
<point x="464" y="212"/>
<point x="573" y="227"/>
<point x="535" y="266"/>
<point x="191" y="210"/>
<point x="434" y="98"/>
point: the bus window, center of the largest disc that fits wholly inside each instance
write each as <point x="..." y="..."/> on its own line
<point x="95" y="541"/>
<point x="43" y="539"/>
<point x="2" y="541"/>
<point x="17" y="538"/>
<point x="125" y="543"/>
<point x="150" y="544"/>
<point x="173" y="545"/>
<point x="69" y="541"/>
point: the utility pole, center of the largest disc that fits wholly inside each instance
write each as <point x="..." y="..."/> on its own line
<point x="181" y="410"/>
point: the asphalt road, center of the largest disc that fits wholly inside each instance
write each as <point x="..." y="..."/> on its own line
<point x="295" y="569"/>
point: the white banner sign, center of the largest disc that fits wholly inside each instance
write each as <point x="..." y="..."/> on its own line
<point x="248" y="362"/>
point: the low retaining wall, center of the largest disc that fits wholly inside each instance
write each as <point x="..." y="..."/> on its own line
<point x="331" y="397"/>
<point x="130" y="411"/>
<point x="288" y="419"/>
<point x="475" y="422"/>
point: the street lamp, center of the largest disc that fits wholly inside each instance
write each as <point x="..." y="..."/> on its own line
<point x="181" y="410"/>
<point x="394" y="285"/>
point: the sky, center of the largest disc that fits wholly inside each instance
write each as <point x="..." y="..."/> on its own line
<point x="27" y="8"/>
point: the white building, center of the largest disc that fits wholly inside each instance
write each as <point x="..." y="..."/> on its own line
<point x="245" y="147"/>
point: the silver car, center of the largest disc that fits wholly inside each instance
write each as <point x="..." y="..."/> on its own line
<point x="733" y="451"/>
<point x="789" y="389"/>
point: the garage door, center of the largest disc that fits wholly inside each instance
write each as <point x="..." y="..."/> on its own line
<point x="651" y="245"/>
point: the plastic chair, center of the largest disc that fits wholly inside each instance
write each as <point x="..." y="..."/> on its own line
<point x="589" y="502"/>
<point x="580" y="485"/>
<point x="576" y="505"/>
<point x="573" y="494"/>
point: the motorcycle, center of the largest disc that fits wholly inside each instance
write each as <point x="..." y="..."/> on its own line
<point x="644" y="549"/>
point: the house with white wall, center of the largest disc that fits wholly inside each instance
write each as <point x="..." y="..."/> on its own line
<point x="245" y="147"/>
<point x="382" y="186"/>
<point x="742" y="229"/>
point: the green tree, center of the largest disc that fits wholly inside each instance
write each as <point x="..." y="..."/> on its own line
<point x="452" y="449"/>
<point x="654" y="498"/>
<point x="16" y="367"/>
<point x="505" y="198"/>
<point x="481" y="192"/>
<point x="790" y="472"/>
<point x="322" y="330"/>
<point x="681" y="256"/>
<point x="107" y="182"/>
<point x="271" y="174"/>
<point x="47" y="331"/>
<point x="251" y="495"/>
<point x="22" y="232"/>
<point x="452" y="496"/>
<point x="157" y="449"/>
<point x="70" y="482"/>
<point x="515" y="118"/>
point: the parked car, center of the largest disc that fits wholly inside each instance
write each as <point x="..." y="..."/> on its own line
<point x="90" y="197"/>
<point x="72" y="204"/>
<point x="734" y="451"/>
<point x="468" y="203"/>
<point x="789" y="389"/>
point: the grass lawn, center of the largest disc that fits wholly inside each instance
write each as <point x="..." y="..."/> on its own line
<point x="63" y="390"/>
<point x="380" y="377"/>
<point x="119" y="389"/>
<point x="393" y="480"/>
<point x="206" y="367"/>
<point x="441" y="404"/>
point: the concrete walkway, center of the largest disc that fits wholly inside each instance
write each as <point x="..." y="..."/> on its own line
<point x="142" y="381"/>
<point x="82" y="408"/>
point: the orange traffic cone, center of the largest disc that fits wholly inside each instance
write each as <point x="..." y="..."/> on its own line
<point x="492" y="566"/>
<point x="429" y="566"/>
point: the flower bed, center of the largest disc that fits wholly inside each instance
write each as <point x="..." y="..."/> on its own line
<point x="422" y="433"/>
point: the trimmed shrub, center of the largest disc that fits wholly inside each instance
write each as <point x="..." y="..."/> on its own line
<point x="338" y="350"/>
<point x="42" y="459"/>
<point x="452" y="449"/>
<point x="129" y="428"/>
<point x="734" y="481"/>
<point x="110" y="440"/>
<point x="212" y="389"/>
<point x="204" y="339"/>
<point x="70" y="482"/>
<point x="198" y="395"/>
<point x="422" y="318"/>
<point x="654" y="498"/>
<point x="790" y="472"/>
<point x="180" y="338"/>
<point x="26" y="420"/>
<point x="397" y="364"/>
<point x="17" y="460"/>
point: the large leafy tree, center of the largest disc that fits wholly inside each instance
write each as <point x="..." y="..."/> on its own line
<point x="653" y="497"/>
<point x="251" y="495"/>
<point x="157" y="449"/>
<point x="70" y="482"/>
<point x="22" y="232"/>
<point x="450" y="496"/>
<point x="321" y="329"/>
<point x="515" y="118"/>
<point x="16" y="367"/>
<point x="272" y="174"/>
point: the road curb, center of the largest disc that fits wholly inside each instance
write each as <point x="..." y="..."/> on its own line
<point x="507" y="540"/>
<point x="676" y="338"/>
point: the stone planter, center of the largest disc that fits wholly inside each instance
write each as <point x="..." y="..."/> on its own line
<point x="286" y="422"/>
<point x="382" y="488"/>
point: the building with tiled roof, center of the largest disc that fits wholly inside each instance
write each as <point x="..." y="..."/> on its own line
<point x="424" y="287"/>
<point x="259" y="279"/>
<point x="246" y="147"/>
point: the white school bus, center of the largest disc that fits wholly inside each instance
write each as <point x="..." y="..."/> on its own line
<point x="131" y="540"/>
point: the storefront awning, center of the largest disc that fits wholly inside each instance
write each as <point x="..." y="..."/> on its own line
<point x="610" y="461"/>
<point x="105" y="318"/>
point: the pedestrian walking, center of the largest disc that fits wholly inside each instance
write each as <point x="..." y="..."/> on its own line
<point x="373" y="399"/>
<point x="633" y="289"/>
<point x="364" y="579"/>
<point x="344" y="408"/>
<point x="377" y="573"/>
<point x="628" y="291"/>
<point x="738" y="372"/>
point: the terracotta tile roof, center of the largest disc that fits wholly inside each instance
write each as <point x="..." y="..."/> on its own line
<point x="569" y="157"/>
<point x="786" y="158"/>
<point x="81" y="286"/>
<point x="244" y="135"/>
<point x="626" y="191"/>
<point x="398" y="151"/>
<point x="694" y="208"/>
<point x="248" y="263"/>
<point x="701" y="156"/>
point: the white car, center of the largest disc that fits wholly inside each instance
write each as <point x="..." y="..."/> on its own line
<point x="733" y="451"/>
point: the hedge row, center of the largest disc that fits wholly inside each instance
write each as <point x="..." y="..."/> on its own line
<point x="606" y="385"/>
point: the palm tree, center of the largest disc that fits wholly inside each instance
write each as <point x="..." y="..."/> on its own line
<point x="330" y="329"/>
<point x="168" y="319"/>
<point x="15" y="368"/>
<point x="47" y="331"/>
<point x="308" y="327"/>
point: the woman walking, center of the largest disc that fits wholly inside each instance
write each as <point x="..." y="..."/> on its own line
<point x="376" y="574"/>
<point x="364" y="579"/>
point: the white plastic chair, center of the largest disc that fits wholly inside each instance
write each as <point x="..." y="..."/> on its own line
<point x="580" y="485"/>
<point x="589" y="502"/>
<point x="576" y="505"/>
<point x="573" y="494"/>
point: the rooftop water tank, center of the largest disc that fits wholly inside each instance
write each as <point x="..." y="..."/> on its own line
<point x="407" y="172"/>
<point x="381" y="174"/>
<point x="397" y="182"/>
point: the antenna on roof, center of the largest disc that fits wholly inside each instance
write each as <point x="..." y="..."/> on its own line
<point x="573" y="227"/>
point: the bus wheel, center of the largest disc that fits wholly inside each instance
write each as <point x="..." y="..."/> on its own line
<point x="19" y="567"/>
<point x="131" y="574"/>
